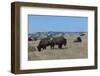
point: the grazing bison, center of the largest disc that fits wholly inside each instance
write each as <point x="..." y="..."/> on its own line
<point x="29" y="39"/>
<point x="78" y="39"/>
<point x="43" y="43"/>
<point x="58" y="41"/>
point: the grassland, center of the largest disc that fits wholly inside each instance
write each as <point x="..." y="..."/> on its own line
<point x="70" y="51"/>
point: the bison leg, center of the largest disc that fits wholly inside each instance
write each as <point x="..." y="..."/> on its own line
<point x="44" y="47"/>
<point x="60" y="46"/>
<point x="39" y="50"/>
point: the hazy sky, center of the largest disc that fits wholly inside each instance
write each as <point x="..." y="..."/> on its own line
<point x="40" y="23"/>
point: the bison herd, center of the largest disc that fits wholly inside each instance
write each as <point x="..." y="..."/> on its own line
<point x="58" y="41"/>
<point x="45" y="42"/>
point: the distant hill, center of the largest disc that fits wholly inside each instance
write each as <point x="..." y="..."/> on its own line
<point x="40" y="35"/>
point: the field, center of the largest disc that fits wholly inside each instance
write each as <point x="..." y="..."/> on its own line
<point x="72" y="50"/>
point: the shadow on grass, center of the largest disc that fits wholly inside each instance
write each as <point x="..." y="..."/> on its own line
<point x="61" y="48"/>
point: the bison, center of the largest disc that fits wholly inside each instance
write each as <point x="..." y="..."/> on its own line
<point x="29" y="39"/>
<point x="58" y="41"/>
<point x="43" y="43"/>
<point x="78" y="39"/>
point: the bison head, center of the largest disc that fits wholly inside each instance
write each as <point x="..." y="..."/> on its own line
<point x="39" y="48"/>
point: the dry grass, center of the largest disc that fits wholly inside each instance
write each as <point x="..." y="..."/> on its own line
<point x="70" y="51"/>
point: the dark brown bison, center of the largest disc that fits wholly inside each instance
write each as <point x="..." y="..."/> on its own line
<point x="29" y="39"/>
<point x="60" y="41"/>
<point x="43" y="43"/>
<point x="78" y="39"/>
